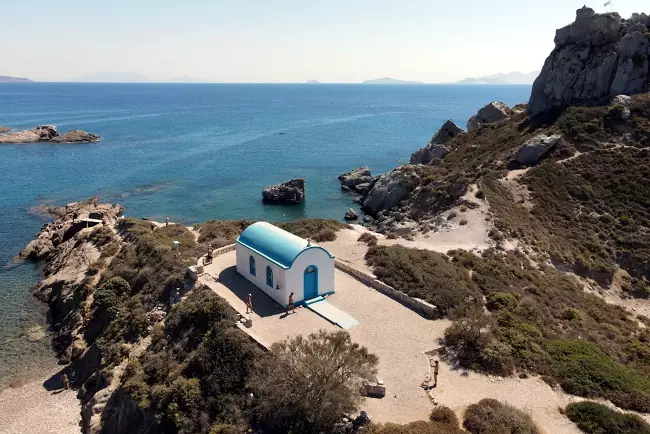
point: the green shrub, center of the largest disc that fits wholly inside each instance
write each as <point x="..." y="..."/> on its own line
<point x="368" y="238"/>
<point x="317" y="229"/>
<point x="444" y="415"/>
<point x="324" y="235"/>
<point x="490" y="416"/>
<point x="594" y="418"/>
<point x="423" y="274"/>
<point x="502" y="300"/>
<point x="583" y="369"/>
<point x="443" y="420"/>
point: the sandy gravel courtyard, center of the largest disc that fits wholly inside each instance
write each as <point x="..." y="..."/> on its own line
<point x="400" y="338"/>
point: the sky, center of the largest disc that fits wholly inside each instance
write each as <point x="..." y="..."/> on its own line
<point x="284" y="40"/>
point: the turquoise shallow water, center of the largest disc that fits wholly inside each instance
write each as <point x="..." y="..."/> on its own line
<point x="192" y="152"/>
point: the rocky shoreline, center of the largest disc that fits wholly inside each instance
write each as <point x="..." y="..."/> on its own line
<point x="45" y="133"/>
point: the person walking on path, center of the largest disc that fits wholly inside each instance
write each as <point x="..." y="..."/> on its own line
<point x="166" y="221"/>
<point x="249" y="304"/>
<point x="290" y="306"/>
<point x="64" y="380"/>
<point x="436" y="366"/>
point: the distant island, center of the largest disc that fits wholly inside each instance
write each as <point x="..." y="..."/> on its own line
<point x="388" y="80"/>
<point x="7" y="79"/>
<point x="503" y="78"/>
<point x="312" y="82"/>
<point x="112" y="77"/>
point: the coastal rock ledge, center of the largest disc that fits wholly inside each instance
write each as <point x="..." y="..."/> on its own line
<point x="46" y="133"/>
<point x="287" y="193"/>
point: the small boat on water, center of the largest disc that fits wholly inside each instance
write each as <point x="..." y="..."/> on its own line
<point x="282" y="133"/>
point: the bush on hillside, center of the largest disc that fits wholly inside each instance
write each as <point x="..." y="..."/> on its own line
<point x="594" y="418"/>
<point x="424" y="274"/>
<point x="443" y="420"/>
<point x="490" y="416"/>
<point x="318" y="230"/>
<point x="583" y="369"/>
<point x="327" y="371"/>
<point x="368" y="238"/>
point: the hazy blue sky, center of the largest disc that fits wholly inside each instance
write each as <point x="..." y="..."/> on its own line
<point x="284" y="40"/>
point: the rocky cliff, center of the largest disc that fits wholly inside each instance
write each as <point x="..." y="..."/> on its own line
<point x="595" y="58"/>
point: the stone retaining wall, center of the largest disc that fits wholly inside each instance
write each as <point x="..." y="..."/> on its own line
<point x="195" y="270"/>
<point x="423" y="308"/>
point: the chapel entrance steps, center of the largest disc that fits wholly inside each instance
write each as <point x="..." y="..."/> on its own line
<point x="331" y="313"/>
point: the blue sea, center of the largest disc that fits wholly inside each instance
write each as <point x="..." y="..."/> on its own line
<point x="193" y="152"/>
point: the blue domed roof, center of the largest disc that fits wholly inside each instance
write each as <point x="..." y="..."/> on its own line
<point x="275" y="244"/>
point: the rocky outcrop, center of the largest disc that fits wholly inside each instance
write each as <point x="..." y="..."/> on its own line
<point x="4" y="129"/>
<point x="436" y="148"/>
<point x="389" y="189"/>
<point x="287" y="193"/>
<point x="357" y="180"/>
<point x="75" y="136"/>
<point x="595" y="58"/>
<point x="351" y="215"/>
<point x="69" y="223"/>
<point x="47" y="133"/>
<point x="491" y="113"/>
<point x="533" y="149"/>
<point x="622" y="102"/>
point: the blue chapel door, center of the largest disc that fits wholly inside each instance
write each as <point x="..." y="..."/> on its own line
<point x="311" y="282"/>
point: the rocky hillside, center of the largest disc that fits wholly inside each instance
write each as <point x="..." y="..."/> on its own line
<point x="596" y="58"/>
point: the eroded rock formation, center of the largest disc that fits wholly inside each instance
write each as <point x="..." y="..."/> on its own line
<point x="46" y="133"/>
<point x="595" y="58"/>
<point x="493" y="112"/>
<point x="436" y="147"/>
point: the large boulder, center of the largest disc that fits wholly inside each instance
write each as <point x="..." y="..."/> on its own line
<point x="436" y="147"/>
<point x="351" y="215"/>
<point x="389" y="189"/>
<point x="287" y="193"/>
<point x="595" y="58"/>
<point x="494" y="112"/>
<point x="75" y="136"/>
<point x="4" y="129"/>
<point x="351" y="180"/>
<point x="46" y="132"/>
<point x="533" y="149"/>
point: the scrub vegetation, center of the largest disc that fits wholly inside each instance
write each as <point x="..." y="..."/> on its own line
<point x="538" y="320"/>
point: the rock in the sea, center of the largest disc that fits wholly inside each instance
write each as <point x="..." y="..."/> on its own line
<point x="533" y="149"/>
<point x="75" y="136"/>
<point x="351" y="215"/>
<point x="48" y="133"/>
<point x="435" y="148"/>
<point x="353" y="179"/>
<point x="389" y="189"/>
<point x="494" y="112"/>
<point x="287" y="193"/>
<point x="595" y="58"/>
<point x="4" y="129"/>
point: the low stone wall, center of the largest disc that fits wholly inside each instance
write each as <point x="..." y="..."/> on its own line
<point x="423" y="308"/>
<point x="195" y="270"/>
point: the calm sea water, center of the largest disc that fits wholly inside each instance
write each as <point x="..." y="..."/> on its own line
<point x="193" y="152"/>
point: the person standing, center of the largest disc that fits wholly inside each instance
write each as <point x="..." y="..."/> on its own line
<point x="436" y="366"/>
<point x="290" y="306"/>
<point x="249" y="304"/>
<point x="166" y="221"/>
